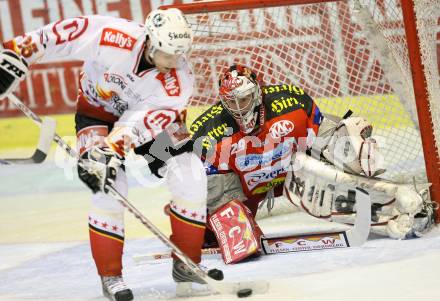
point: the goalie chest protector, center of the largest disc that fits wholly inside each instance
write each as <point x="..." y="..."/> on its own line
<point x="287" y="118"/>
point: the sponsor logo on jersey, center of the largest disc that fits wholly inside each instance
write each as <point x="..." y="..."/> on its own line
<point x="112" y="100"/>
<point x="280" y="88"/>
<point x="264" y="175"/>
<point x="281" y="128"/>
<point x="91" y="136"/>
<point x="279" y="105"/>
<point x="214" y="135"/>
<point x="251" y="161"/>
<point x="268" y="186"/>
<point x="208" y="115"/>
<point x="115" y="38"/>
<point x="170" y="82"/>
<point x="115" y="79"/>
<point x="104" y="94"/>
<point x="69" y="29"/>
<point x="157" y="120"/>
<point x="130" y="77"/>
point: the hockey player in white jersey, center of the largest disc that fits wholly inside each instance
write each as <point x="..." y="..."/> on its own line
<point x="135" y="83"/>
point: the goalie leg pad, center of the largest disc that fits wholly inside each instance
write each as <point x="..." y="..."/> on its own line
<point x="236" y="231"/>
<point x="310" y="188"/>
<point x="398" y="211"/>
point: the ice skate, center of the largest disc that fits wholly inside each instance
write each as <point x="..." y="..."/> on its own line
<point x="184" y="278"/>
<point x="115" y="289"/>
<point x="424" y="220"/>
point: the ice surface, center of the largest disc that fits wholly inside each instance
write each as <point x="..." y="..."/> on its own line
<point x="41" y="258"/>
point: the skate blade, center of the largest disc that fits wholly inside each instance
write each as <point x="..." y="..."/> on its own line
<point x="186" y="289"/>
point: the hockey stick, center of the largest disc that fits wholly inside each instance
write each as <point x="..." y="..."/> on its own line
<point x="28" y="112"/>
<point x="216" y="286"/>
<point x="155" y="257"/>
<point x="47" y="133"/>
<point x="353" y="237"/>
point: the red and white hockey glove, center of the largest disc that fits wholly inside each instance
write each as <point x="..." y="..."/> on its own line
<point x="237" y="233"/>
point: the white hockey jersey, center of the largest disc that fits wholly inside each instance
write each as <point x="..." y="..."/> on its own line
<point x="111" y="88"/>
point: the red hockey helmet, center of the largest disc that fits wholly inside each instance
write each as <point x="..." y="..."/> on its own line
<point x="240" y="94"/>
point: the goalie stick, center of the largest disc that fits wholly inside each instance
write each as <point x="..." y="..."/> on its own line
<point x="216" y="286"/>
<point x="354" y="237"/>
<point x="47" y="132"/>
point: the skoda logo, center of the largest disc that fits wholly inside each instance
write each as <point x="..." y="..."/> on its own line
<point x="281" y="128"/>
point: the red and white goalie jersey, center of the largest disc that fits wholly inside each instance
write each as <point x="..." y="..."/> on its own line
<point x="288" y="119"/>
<point x="113" y="85"/>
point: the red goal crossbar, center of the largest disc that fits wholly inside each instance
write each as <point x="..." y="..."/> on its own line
<point x="216" y="6"/>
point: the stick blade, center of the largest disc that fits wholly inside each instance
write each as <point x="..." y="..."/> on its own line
<point x="358" y="235"/>
<point x="47" y="133"/>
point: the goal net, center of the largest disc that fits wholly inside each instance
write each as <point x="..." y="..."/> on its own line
<point x="345" y="54"/>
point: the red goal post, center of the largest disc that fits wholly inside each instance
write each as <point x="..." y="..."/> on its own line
<point x="376" y="57"/>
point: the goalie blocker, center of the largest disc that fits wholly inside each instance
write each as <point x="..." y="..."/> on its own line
<point x="237" y="233"/>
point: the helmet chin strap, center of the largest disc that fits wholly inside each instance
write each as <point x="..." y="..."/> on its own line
<point x="150" y="49"/>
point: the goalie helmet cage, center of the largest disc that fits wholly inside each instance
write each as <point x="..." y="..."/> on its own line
<point x="379" y="58"/>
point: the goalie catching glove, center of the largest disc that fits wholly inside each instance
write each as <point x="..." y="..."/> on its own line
<point x="13" y="69"/>
<point x="349" y="145"/>
<point x="98" y="168"/>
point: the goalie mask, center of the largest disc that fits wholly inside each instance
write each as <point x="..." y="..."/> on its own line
<point x="168" y="31"/>
<point x="240" y="94"/>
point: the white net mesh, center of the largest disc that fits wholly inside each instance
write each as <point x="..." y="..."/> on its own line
<point x="346" y="55"/>
<point x="428" y="23"/>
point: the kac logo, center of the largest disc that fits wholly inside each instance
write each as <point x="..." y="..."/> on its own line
<point x="281" y="128"/>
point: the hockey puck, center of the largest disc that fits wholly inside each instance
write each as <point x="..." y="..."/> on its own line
<point x="243" y="293"/>
<point x="215" y="274"/>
